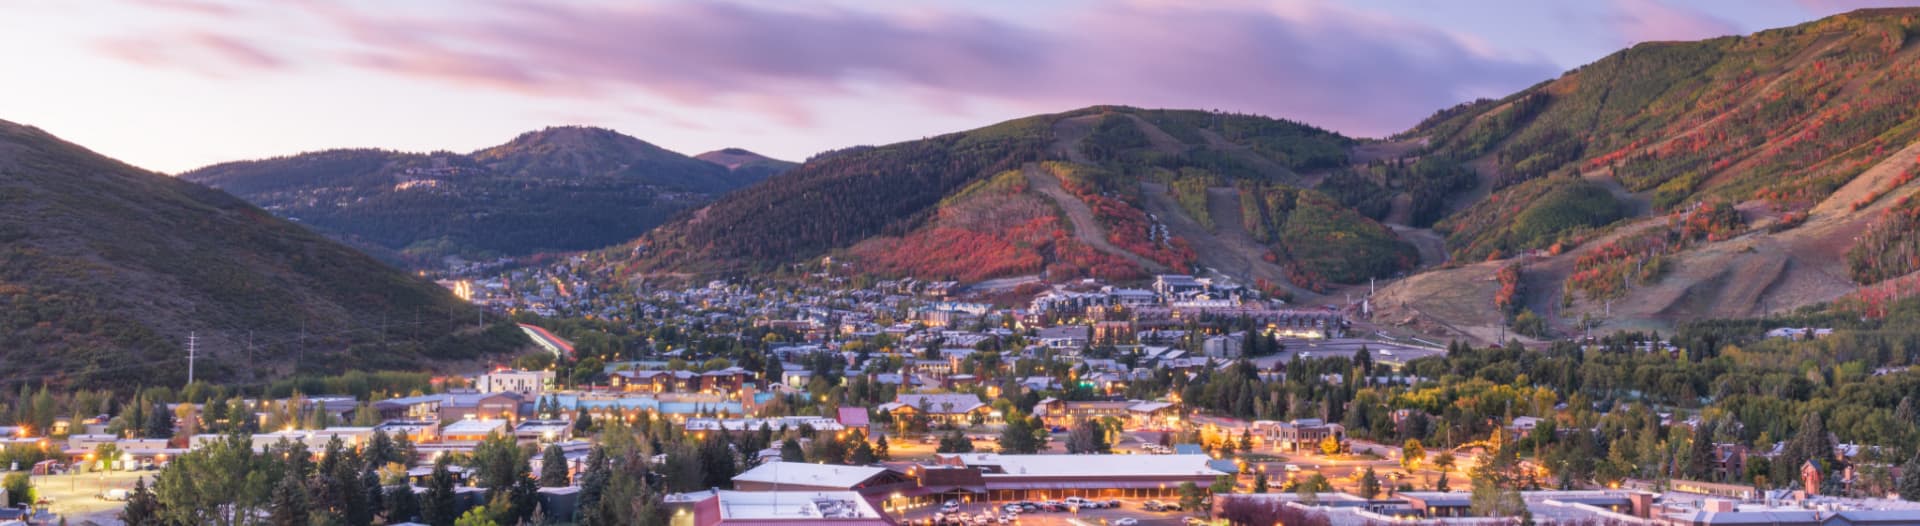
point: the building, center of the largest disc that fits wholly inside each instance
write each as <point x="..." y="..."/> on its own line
<point x="1296" y="435"/>
<point x="515" y="381"/>
<point x="957" y="409"/>
<point x="1040" y="477"/>
<point x="1175" y="285"/>
<point x="768" y="508"/>
<point x="1226" y="346"/>
<point x="1065" y="337"/>
<point x="1435" y="504"/>
<point x="1136" y="413"/>
<point x="869" y="482"/>
<point x="472" y="431"/>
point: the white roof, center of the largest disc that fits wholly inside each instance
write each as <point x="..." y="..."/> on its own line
<point x="804" y="474"/>
<point x="1082" y="466"/>
<point x="790" y="505"/>
<point x="474" y="427"/>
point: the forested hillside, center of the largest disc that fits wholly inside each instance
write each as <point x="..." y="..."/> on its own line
<point x="1107" y="191"/>
<point x="558" y="189"/>
<point x="107" y="269"/>
<point x="1731" y="177"/>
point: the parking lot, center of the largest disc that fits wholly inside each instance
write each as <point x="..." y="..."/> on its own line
<point x="1128" y="509"/>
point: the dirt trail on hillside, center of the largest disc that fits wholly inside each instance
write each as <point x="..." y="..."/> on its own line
<point x="1232" y="251"/>
<point x="1068" y="133"/>
<point x="1085" y="227"/>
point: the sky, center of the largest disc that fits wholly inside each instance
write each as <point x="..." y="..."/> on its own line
<point x="172" y="85"/>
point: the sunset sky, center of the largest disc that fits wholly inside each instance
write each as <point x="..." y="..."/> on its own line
<point x="176" y="84"/>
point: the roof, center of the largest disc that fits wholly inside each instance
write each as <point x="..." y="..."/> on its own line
<point x="940" y="403"/>
<point x="810" y="475"/>
<point x="1437" y="498"/>
<point x="853" y="416"/>
<point x="474" y="427"/>
<point x="825" y="506"/>
<point x="1089" y="466"/>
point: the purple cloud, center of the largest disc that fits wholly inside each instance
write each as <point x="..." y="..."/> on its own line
<point x="1356" y="72"/>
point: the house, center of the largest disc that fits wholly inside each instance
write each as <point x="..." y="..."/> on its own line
<point x="950" y="409"/>
<point x="515" y="381"/>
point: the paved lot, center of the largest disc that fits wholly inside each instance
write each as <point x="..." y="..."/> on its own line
<point x="77" y="496"/>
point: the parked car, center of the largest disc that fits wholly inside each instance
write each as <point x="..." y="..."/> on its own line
<point x="115" y="494"/>
<point x="950" y="507"/>
<point x="1153" y="505"/>
<point x="1126" y="521"/>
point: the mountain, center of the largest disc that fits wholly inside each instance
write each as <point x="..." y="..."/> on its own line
<point x="1731" y="177"/>
<point x="1106" y="191"/>
<point x="741" y="161"/>
<point x="557" y="189"/>
<point x="108" y="271"/>
<point x="1671" y="181"/>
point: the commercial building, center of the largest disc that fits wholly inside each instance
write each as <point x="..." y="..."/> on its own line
<point x="870" y="482"/>
<point x="768" y="508"/>
<point x="974" y="476"/>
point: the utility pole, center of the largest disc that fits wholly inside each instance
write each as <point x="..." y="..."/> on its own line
<point x="193" y="340"/>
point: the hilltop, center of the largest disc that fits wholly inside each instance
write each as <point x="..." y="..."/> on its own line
<point x="751" y="165"/>
<point x="556" y="189"/>
<point x="107" y="269"/>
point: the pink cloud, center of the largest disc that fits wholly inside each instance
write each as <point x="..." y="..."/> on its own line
<point x="1356" y="72"/>
<point x="1654" y="20"/>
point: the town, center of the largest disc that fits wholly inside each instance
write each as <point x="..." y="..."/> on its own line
<point x="1189" y="400"/>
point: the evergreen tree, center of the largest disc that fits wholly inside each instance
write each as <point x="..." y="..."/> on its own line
<point x="439" y="508"/>
<point x="862" y="454"/>
<point x="1700" y="454"/>
<point x="1369" y="484"/>
<point x="1260" y="482"/>
<point x="402" y="504"/>
<point x="881" y="449"/>
<point x="375" y="498"/>
<point x="593" y="484"/>
<point x="553" y="467"/>
<point x="143" y="508"/>
<point x="1910" y="480"/>
<point x="404" y="450"/>
<point x="522" y="499"/>
<point x="790" y="451"/>
<point x="289" y="504"/>
<point x="582" y="420"/>
<point x="955" y="442"/>
<point x="1018" y="436"/>
<point x="159" y="422"/>
<point x="379" y="450"/>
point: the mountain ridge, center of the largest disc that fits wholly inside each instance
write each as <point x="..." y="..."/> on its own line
<point x="560" y="188"/>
